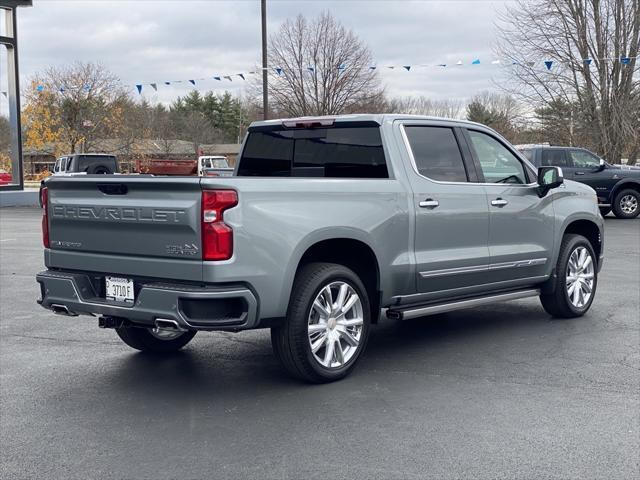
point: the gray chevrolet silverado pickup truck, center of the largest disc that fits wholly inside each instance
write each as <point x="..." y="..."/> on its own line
<point x="327" y="224"/>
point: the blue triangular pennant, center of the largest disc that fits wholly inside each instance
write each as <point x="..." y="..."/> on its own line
<point x="241" y="75"/>
<point x="278" y="71"/>
<point x="167" y="83"/>
<point x="154" y="86"/>
<point x="587" y="61"/>
<point x="5" y="94"/>
<point x="139" y="87"/>
<point x="442" y="64"/>
<point x="476" y="62"/>
<point x="311" y="68"/>
<point x="372" y="67"/>
<point x="407" y="67"/>
<point x="61" y="89"/>
<point x="549" y="64"/>
<point x="228" y="77"/>
<point x="217" y="78"/>
<point x="192" y="82"/>
<point x="625" y="60"/>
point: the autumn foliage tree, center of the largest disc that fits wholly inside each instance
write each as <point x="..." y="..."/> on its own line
<point x="72" y="107"/>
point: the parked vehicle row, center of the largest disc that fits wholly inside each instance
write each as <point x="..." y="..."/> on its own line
<point x="617" y="186"/>
<point x="327" y="223"/>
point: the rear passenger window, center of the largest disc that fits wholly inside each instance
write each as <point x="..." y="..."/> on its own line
<point x="436" y="153"/>
<point x="554" y="158"/>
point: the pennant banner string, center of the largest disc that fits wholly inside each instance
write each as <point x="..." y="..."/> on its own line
<point x="549" y="64"/>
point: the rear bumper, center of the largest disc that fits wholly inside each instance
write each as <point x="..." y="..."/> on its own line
<point x="193" y="307"/>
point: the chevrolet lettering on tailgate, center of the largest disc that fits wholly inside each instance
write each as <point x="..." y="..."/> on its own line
<point x="135" y="214"/>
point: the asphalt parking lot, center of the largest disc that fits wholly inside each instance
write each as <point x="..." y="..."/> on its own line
<point x="501" y="391"/>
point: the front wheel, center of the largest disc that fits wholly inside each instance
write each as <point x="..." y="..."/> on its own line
<point x="575" y="281"/>
<point x="627" y="204"/>
<point x="327" y="324"/>
<point x="154" y="339"/>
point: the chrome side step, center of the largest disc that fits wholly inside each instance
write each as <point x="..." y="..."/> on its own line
<point x="417" y="311"/>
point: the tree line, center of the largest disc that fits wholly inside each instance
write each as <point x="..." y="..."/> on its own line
<point x="595" y="105"/>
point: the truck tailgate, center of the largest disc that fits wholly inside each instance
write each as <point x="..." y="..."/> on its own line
<point x="136" y="225"/>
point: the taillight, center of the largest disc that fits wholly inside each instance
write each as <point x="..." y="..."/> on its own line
<point x="217" y="237"/>
<point x="44" y="198"/>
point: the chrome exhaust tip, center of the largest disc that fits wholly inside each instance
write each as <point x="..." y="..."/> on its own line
<point x="167" y="324"/>
<point x="62" y="310"/>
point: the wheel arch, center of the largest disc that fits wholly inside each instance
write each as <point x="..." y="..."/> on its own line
<point x="588" y="229"/>
<point x="346" y="247"/>
<point x="625" y="183"/>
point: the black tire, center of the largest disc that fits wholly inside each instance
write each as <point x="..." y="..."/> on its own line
<point x="621" y="205"/>
<point x="558" y="303"/>
<point x="100" y="170"/>
<point x="142" y="339"/>
<point x="290" y="340"/>
<point x="604" y="211"/>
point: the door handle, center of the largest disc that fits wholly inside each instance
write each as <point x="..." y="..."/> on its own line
<point x="429" y="203"/>
<point x="499" y="202"/>
<point x="579" y="173"/>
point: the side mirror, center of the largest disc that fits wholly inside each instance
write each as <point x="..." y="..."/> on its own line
<point x="548" y="178"/>
<point x="602" y="166"/>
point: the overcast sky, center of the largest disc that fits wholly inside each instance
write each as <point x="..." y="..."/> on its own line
<point x="154" y="41"/>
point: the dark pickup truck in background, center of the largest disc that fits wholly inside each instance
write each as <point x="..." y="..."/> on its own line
<point x="617" y="186"/>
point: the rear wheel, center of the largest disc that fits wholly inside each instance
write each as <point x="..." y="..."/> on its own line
<point x="327" y="324"/>
<point x="154" y="339"/>
<point x="576" y="279"/>
<point x="627" y="204"/>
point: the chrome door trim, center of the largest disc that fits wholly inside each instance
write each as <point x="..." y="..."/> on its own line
<point x="518" y="263"/>
<point x="531" y="262"/>
<point x="454" y="271"/>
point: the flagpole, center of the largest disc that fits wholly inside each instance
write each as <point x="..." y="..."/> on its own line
<point x="265" y="86"/>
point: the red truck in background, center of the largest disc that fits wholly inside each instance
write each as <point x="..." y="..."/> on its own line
<point x="205" y="165"/>
<point x="5" y="178"/>
<point x="167" y="167"/>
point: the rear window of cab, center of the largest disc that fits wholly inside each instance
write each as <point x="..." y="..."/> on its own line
<point x="334" y="152"/>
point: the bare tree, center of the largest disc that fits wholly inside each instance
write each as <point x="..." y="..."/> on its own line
<point x="319" y="67"/>
<point x="195" y="127"/>
<point x="501" y="112"/>
<point x="446" y="108"/>
<point x="605" y="33"/>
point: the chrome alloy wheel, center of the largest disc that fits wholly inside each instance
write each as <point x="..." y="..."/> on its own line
<point x="335" y="324"/>
<point x="580" y="276"/>
<point x="629" y="204"/>
<point x="165" y="333"/>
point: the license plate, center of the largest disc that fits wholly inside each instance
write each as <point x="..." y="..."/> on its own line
<point x="119" y="289"/>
